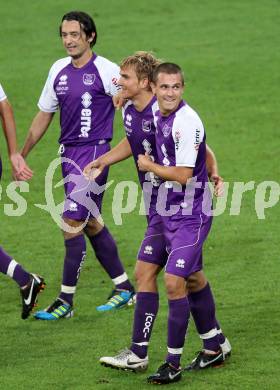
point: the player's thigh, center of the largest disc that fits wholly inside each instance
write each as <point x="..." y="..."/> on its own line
<point x="153" y="247"/>
<point x="146" y="271"/>
<point x="185" y="244"/>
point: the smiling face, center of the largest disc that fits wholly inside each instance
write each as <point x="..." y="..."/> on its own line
<point x="130" y="84"/>
<point x="168" y="89"/>
<point x="74" y="39"/>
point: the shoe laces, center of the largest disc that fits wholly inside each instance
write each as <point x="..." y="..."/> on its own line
<point x="123" y="354"/>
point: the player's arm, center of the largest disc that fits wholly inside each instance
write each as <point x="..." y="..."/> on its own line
<point x="213" y="171"/>
<point x="36" y="131"/>
<point x="19" y="167"/>
<point x="179" y="174"/>
<point x="120" y="152"/>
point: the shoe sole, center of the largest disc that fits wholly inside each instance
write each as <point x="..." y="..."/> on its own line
<point x="156" y="382"/>
<point x="135" y="370"/>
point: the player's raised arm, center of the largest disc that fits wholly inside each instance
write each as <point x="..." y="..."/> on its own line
<point x="36" y="131"/>
<point x="119" y="153"/>
<point x="213" y="172"/>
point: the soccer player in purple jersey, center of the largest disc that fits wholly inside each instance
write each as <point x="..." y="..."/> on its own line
<point x="30" y="284"/>
<point x="181" y="153"/>
<point x="138" y="117"/>
<point x="81" y="86"/>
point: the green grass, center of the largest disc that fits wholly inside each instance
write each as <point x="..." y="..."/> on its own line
<point x="230" y="54"/>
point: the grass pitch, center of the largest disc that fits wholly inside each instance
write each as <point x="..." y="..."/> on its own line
<point x="229" y="52"/>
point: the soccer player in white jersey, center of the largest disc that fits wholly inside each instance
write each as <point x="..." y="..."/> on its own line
<point x="138" y="118"/>
<point x="81" y="87"/>
<point x="30" y="284"/>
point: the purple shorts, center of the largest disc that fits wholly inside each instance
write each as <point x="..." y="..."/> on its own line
<point x="153" y="247"/>
<point x="185" y="237"/>
<point x="83" y="198"/>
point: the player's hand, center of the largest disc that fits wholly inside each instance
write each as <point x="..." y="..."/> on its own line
<point x="93" y="169"/>
<point x="218" y="182"/>
<point x="118" y="101"/>
<point x="144" y="162"/>
<point x="20" y="169"/>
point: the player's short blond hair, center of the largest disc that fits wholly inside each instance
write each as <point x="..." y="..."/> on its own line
<point x="143" y="62"/>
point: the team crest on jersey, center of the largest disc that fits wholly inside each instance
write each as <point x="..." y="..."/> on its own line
<point x="88" y="79"/>
<point x="146" y="126"/>
<point x="166" y="130"/>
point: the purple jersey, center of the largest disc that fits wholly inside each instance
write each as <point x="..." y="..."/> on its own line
<point x="140" y="132"/>
<point x="84" y="98"/>
<point x="180" y="141"/>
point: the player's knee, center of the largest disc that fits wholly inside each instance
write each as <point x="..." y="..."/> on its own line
<point x="93" y="227"/>
<point x="196" y="282"/>
<point x="145" y="278"/>
<point x="73" y="228"/>
<point x="175" y="286"/>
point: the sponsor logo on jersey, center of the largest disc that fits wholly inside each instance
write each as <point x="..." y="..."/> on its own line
<point x="88" y="79"/>
<point x="166" y="130"/>
<point x="148" y="250"/>
<point x="62" y="86"/>
<point x="180" y="263"/>
<point x="146" y="126"/>
<point x="177" y="139"/>
<point x="128" y="120"/>
<point x="147" y="146"/>
<point x="115" y="83"/>
<point x="128" y="131"/>
<point x="165" y="160"/>
<point x="63" y="79"/>
<point x="197" y="141"/>
<point x="148" y="323"/>
<point x="85" y="115"/>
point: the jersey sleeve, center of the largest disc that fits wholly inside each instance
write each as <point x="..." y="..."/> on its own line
<point x="188" y="133"/>
<point x="2" y="94"/>
<point x="110" y="74"/>
<point x="48" y="101"/>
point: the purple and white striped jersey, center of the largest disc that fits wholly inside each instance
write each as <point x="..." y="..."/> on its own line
<point x="84" y="98"/>
<point x="2" y="94"/>
<point x="140" y="132"/>
<point x="180" y="141"/>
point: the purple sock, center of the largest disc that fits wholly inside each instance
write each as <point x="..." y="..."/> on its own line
<point x="202" y="307"/>
<point x="106" y="251"/>
<point x="178" y="318"/>
<point x="14" y="270"/>
<point x="73" y="262"/>
<point x="221" y="336"/>
<point x="144" y="317"/>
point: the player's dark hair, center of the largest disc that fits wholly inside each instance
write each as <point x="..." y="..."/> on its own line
<point x="86" y="22"/>
<point x="169" y="68"/>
